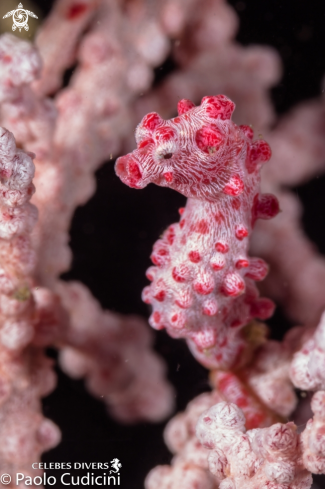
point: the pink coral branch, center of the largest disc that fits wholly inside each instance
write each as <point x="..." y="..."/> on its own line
<point x="313" y="438"/>
<point x="209" y="61"/>
<point x="263" y="392"/>
<point x="93" y="118"/>
<point x="307" y="367"/>
<point x="114" y="355"/>
<point x="268" y="457"/>
<point x="26" y="373"/>
<point x="58" y="39"/>
<point x="189" y="466"/>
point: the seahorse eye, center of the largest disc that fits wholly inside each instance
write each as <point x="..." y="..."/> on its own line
<point x="167" y="156"/>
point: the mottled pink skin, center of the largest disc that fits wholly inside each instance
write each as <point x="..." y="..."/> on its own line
<point x="260" y="458"/>
<point x="203" y="283"/>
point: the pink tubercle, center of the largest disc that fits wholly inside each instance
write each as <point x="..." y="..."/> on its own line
<point x="217" y="263"/>
<point x="241" y="232"/>
<point x="210" y="307"/>
<point x="242" y="263"/>
<point x="222" y="247"/>
<point x="184" y="105"/>
<point x="248" y="131"/>
<point x="181" y="273"/>
<point x="160" y="295"/>
<point x="194" y="256"/>
<point x="160" y="256"/>
<point x="233" y="285"/>
<point x="234" y="187"/>
<point x="265" y="206"/>
<point x="262" y="308"/>
<point x="151" y="121"/>
<point x="204" y="284"/>
<point x="218" y="106"/>
<point x="204" y="339"/>
<point x="208" y="139"/>
<point x="155" y="320"/>
<point x="184" y="299"/>
<point x="146" y="295"/>
<point x="257" y="269"/>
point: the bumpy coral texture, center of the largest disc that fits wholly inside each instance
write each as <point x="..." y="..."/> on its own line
<point x="307" y="367"/>
<point x="265" y="458"/>
<point x="114" y="357"/>
<point x="189" y="468"/>
<point x="261" y="390"/>
<point x="313" y="437"/>
<point x="203" y="280"/>
<point x="29" y="320"/>
<point x="267" y="372"/>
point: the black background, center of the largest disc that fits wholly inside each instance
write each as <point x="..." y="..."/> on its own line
<point x="113" y="234"/>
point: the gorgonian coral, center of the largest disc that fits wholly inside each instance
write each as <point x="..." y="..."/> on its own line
<point x="266" y="458"/>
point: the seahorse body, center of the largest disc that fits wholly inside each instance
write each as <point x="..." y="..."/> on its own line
<point x="203" y="280"/>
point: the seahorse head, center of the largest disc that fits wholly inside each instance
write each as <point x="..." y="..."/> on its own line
<point x="199" y="153"/>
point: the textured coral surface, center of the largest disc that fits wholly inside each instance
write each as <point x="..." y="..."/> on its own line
<point x="26" y="374"/>
<point x="313" y="438"/>
<point x="268" y="457"/>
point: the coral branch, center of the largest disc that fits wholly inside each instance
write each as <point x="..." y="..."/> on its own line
<point x="313" y="437"/>
<point x="253" y="389"/>
<point x="115" y="358"/>
<point x="210" y="61"/>
<point x="190" y="464"/>
<point x="26" y="373"/>
<point x="269" y="457"/>
<point x="58" y="38"/>
<point x="307" y="367"/>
